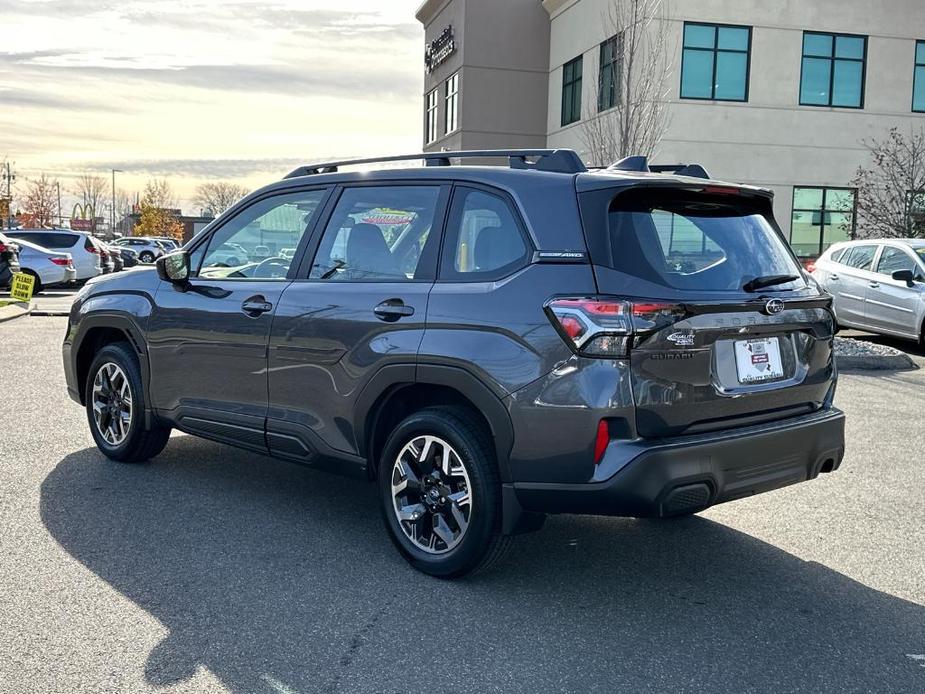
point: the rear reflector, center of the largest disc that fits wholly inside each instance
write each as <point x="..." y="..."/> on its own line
<point x="601" y="440"/>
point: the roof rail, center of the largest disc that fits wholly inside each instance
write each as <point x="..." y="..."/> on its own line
<point x="557" y="160"/>
<point x="641" y="164"/>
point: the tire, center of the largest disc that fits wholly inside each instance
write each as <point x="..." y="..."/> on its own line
<point x="129" y="442"/>
<point x="37" y="287"/>
<point x="146" y="257"/>
<point x="232" y="262"/>
<point x="453" y="434"/>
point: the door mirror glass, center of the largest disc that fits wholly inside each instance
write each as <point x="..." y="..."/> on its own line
<point x="174" y="267"/>
<point x="906" y="276"/>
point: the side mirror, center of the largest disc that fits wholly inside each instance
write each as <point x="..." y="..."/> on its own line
<point x="174" y="268"/>
<point x="906" y="276"/>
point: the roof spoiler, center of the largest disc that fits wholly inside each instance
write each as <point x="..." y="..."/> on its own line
<point x="639" y="163"/>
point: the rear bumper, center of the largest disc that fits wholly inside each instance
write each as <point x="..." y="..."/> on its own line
<point x="687" y="474"/>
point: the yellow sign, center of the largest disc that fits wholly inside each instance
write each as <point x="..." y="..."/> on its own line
<point x="22" y="286"/>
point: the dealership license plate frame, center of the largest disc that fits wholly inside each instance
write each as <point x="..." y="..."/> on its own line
<point x="758" y="360"/>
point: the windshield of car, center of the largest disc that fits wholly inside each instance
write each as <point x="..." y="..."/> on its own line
<point x="688" y="241"/>
<point x="920" y="252"/>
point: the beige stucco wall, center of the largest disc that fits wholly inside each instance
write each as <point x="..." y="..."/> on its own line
<point x="771" y="140"/>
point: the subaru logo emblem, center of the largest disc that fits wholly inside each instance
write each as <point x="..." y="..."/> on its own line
<point x="773" y="306"/>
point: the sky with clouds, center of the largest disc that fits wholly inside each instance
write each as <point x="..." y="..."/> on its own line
<point x="198" y="90"/>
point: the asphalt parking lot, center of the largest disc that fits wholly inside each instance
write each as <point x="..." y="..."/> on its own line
<point x="211" y="569"/>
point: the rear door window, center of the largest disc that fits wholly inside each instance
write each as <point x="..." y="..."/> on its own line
<point x="859" y="257"/>
<point x="686" y="240"/>
<point x="379" y="233"/>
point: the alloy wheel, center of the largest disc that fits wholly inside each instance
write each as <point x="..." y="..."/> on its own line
<point x="112" y="403"/>
<point x="431" y="494"/>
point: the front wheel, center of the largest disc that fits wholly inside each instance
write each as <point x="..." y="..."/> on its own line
<point x="441" y="494"/>
<point x="146" y="257"/>
<point x="115" y="407"/>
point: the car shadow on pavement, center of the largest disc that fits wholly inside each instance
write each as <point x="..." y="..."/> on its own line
<point x="278" y="578"/>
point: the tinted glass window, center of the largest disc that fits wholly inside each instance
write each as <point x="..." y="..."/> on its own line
<point x="571" y="91"/>
<point x="715" y="62"/>
<point x="833" y="70"/>
<point x="695" y="242"/>
<point x="377" y="233"/>
<point x="821" y="217"/>
<point x="483" y="239"/>
<point x="252" y="244"/>
<point x="893" y="259"/>
<point x="918" y="85"/>
<point x="859" y="257"/>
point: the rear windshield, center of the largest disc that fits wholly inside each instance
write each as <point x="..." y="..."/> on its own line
<point x="690" y="241"/>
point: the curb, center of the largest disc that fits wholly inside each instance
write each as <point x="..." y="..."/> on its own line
<point x="16" y="310"/>
<point x="880" y="362"/>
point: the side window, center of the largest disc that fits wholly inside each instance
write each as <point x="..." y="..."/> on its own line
<point x="859" y="257"/>
<point x="250" y="245"/>
<point x="893" y="259"/>
<point x="378" y="233"/>
<point x="483" y="239"/>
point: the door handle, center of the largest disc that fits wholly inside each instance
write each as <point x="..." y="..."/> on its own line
<point x="256" y="305"/>
<point x="392" y="309"/>
<point x="833" y="277"/>
<point x="874" y="285"/>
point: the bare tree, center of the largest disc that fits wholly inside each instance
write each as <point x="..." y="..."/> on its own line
<point x="891" y="192"/>
<point x="158" y="193"/>
<point x="92" y="191"/>
<point x="630" y="102"/>
<point x="39" y="203"/>
<point x="215" y="198"/>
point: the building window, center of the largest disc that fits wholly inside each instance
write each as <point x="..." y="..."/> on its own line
<point x="918" y="88"/>
<point x="833" y="70"/>
<point x="821" y="217"/>
<point x="715" y="62"/>
<point x="571" y="91"/>
<point x="608" y="91"/>
<point x="430" y="127"/>
<point x="452" y="104"/>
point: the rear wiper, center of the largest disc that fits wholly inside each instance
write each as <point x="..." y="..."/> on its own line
<point x="768" y="281"/>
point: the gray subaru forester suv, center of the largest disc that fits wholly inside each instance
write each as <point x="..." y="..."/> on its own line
<point x="489" y="344"/>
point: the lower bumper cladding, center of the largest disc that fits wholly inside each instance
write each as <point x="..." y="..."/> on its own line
<point x="678" y="476"/>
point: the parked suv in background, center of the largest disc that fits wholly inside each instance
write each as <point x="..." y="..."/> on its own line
<point x="877" y="285"/>
<point x="489" y="344"/>
<point x="148" y="249"/>
<point x="85" y="250"/>
<point x="9" y="260"/>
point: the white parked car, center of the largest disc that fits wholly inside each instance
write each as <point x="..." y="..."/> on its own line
<point x="877" y="285"/>
<point x="49" y="268"/>
<point x="148" y="249"/>
<point x="85" y="250"/>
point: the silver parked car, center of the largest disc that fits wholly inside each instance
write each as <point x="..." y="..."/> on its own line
<point x="84" y="248"/>
<point x="148" y="249"/>
<point x="49" y="268"/>
<point x="877" y="285"/>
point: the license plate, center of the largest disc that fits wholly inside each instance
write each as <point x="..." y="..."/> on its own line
<point x="758" y="360"/>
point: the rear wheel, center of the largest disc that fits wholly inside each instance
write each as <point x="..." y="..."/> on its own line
<point x="115" y="407"/>
<point x="441" y="494"/>
<point x="146" y="257"/>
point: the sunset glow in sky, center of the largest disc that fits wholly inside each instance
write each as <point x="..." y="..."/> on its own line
<point x="199" y="90"/>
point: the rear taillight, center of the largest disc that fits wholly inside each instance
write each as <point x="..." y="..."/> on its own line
<point x="89" y="246"/>
<point x="810" y="266"/>
<point x="604" y="327"/>
<point x="3" y="248"/>
<point x="63" y="262"/>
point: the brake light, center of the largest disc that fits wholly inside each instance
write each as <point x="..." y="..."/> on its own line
<point x="604" y="326"/>
<point x="601" y="440"/>
<point x="811" y="266"/>
<point x="63" y="262"/>
<point x="722" y="190"/>
<point x="3" y="248"/>
<point x="89" y="246"/>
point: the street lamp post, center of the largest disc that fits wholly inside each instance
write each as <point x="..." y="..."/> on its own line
<point x="112" y="210"/>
